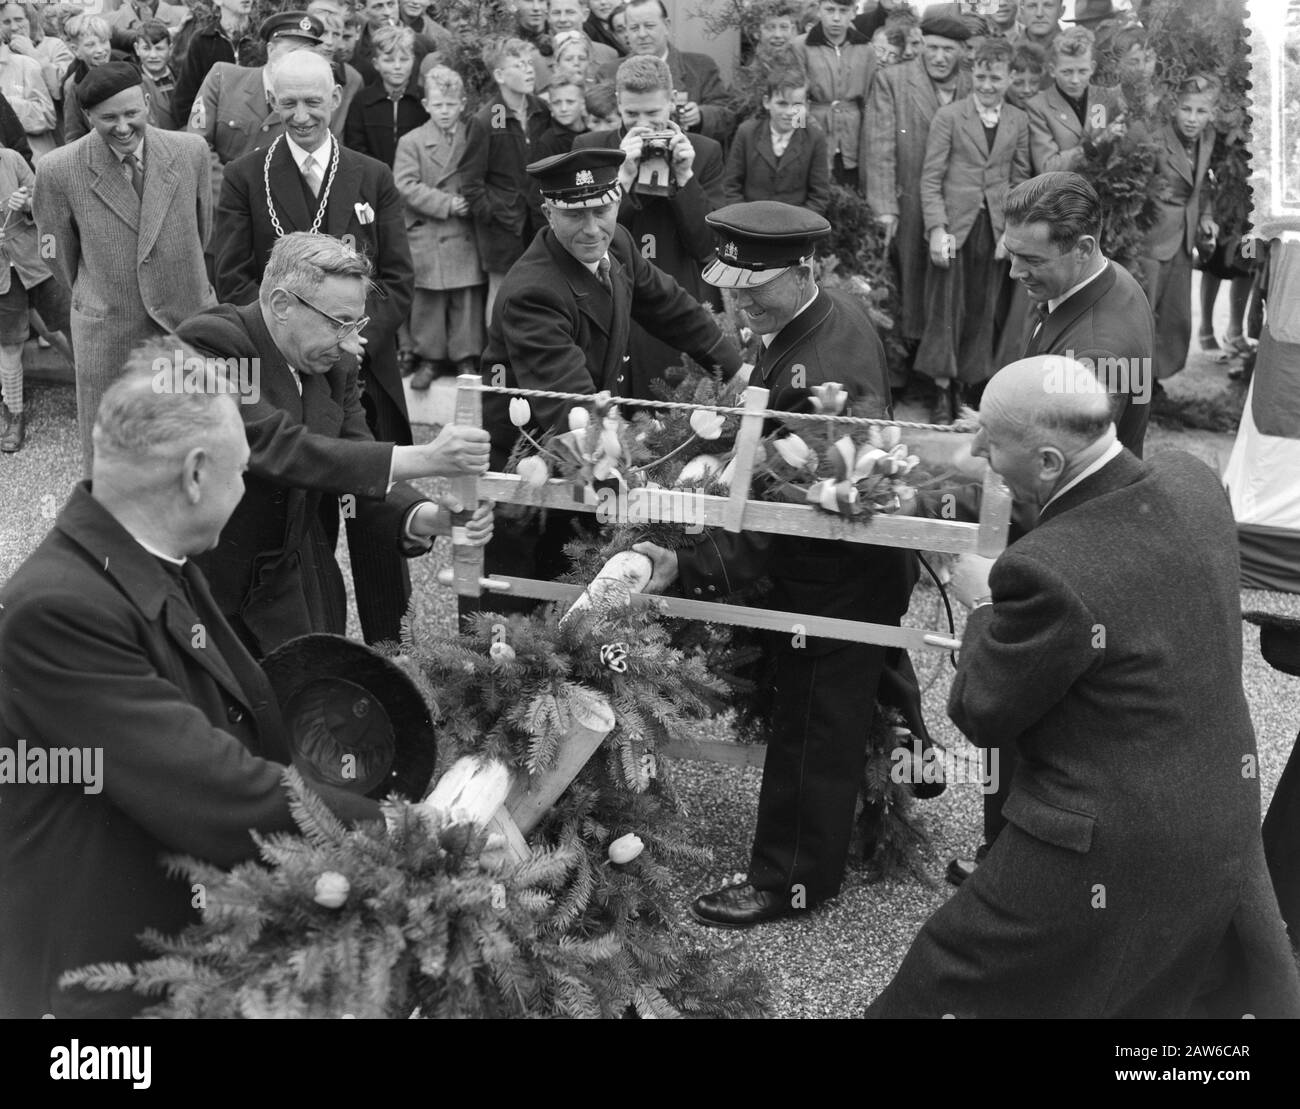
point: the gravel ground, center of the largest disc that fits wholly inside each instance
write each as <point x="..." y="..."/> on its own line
<point x="832" y="962"/>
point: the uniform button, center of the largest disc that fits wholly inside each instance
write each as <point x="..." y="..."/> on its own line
<point x="620" y="379"/>
<point x="697" y="590"/>
<point x="234" y="714"/>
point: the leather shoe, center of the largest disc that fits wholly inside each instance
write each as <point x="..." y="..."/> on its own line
<point x="960" y="869"/>
<point x="740" y="907"/>
<point x="13" y="432"/>
<point x="423" y="377"/>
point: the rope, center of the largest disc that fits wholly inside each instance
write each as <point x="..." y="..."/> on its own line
<point x="962" y="426"/>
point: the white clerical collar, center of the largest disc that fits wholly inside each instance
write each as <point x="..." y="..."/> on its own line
<point x="1108" y="455"/>
<point x="155" y="551"/>
<point x="1053" y="305"/>
<point x="767" y="339"/>
<point x="300" y="155"/>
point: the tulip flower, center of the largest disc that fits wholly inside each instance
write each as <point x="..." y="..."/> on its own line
<point x="520" y="412"/>
<point x="331" y="890"/>
<point x="577" y="419"/>
<point x="533" y="470"/>
<point x="793" y="450"/>
<point x="829" y="398"/>
<point x="625" y="848"/>
<point x="706" y="424"/>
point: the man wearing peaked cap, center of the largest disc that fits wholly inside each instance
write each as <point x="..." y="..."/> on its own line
<point x="823" y="691"/>
<point x="562" y="322"/>
<point x="293" y="25"/>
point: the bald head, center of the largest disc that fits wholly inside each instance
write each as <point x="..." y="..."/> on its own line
<point x="305" y="96"/>
<point x="1042" y="421"/>
<point x="302" y="66"/>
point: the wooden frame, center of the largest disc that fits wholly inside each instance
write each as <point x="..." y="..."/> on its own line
<point x="734" y="513"/>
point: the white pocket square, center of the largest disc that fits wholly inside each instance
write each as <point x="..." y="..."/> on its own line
<point x="365" y="213"/>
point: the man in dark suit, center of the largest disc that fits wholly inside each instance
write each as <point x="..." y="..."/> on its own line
<point x="706" y="109"/>
<point x="667" y="224"/>
<point x="562" y="322"/>
<point x="273" y="573"/>
<point x="825" y="690"/>
<point x="1130" y="879"/>
<point x="111" y="647"/>
<point x="308" y="181"/>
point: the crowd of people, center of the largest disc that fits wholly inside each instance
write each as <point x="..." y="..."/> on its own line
<point x="345" y="195"/>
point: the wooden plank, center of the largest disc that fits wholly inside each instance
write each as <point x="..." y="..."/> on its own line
<point x="502" y="823"/>
<point x="530" y="797"/>
<point x="751" y="430"/>
<point x="915" y="639"/>
<point x="715" y="750"/>
<point x="913" y="532"/>
<point x="995" y="516"/>
<point x="466" y="560"/>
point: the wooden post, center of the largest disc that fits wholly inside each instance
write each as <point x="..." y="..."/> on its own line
<point x="751" y="430"/>
<point x="466" y="560"/>
<point x="995" y="516"/>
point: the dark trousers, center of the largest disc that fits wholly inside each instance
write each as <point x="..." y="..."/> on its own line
<point x="823" y="702"/>
<point x="841" y="176"/>
<point x="1168" y="286"/>
<point x="379" y="571"/>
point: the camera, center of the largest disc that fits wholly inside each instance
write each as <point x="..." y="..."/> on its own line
<point x="654" y="174"/>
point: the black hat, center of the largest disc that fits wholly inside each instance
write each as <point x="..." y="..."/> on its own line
<point x="292" y="25"/>
<point x="106" y="80"/>
<point x="946" y="26"/>
<point x="1093" y="11"/>
<point x="355" y="720"/>
<point x="1279" y="640"/>
<point x="579" y="179"/>
<point x="759" y="240"/>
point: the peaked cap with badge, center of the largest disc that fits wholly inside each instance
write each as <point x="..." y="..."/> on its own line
<point x="292" y="25"/>
<point x="579" y="179"/>
<point x="759" y="240"/>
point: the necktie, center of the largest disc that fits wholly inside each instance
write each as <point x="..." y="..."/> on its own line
<point x="135" y="174"/>
<point x="602" y="273"/>
<point x="1037" y="318"/>
<point x="312" y="172"/>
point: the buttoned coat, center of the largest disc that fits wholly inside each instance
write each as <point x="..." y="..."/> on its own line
<point x="1055" y="130"/>
<point x="273" y="573"/>
<point x="364" y="207"/>
<point x="838" y="82"/>
<point x="961" y="175"/>
<point x="1183" y="197"/>
<point x="554" y="326"/>
<point x="370" y="126"/>
<point x="900" y="106"/>
<point x="135" y="266"/>
<point x="1109" y="323"/>
<point x="428" y="175"/>
<point x="96" y="650"/>
<point x="1132" y="860"/>
<point x="801" y="176"/>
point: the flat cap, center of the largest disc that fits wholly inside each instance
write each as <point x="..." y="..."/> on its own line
<point x="946" y="26"/>
<point x="106" y="80"/>
<point x="579" y="179"/>
<point x="759" y="240"/>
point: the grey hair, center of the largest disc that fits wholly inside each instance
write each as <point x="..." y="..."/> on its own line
<point x="141" y="417"/>
<point x="308" y="58"/>
<point x="300" y="261"/>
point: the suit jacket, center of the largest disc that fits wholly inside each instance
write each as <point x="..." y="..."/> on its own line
<point x="555" y="326"/>
<point x="245" y="236"/>
<point x="838" y="81"/>
<point x="900" y="106"/>
<point x="274" y="566"/>
<point x="697" y="75"/>
<point x="1132" y="863"/>
<point x="192" y="744"/>
<point x="497" y="149"/>
<point x="962" y="176"/>
<point x="831" y="340"/>
<point x="135" y="266"/>
<point x="1055" y="132"/>
<point x="1108" y="323"/>
<point x="371" y="128"/>
<point x="20" y="248"/>
<point x="1183" y="198"/>
<point x="801" y="176"/>
<point x="427" y="170"/>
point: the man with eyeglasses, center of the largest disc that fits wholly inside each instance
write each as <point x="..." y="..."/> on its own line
<point x="306" y="180"/>
<point x="273" y="572"/>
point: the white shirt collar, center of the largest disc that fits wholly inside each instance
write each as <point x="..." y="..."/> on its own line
<point x="1053" y="305"/>
<point x="988" y="116"/>
<point x="766" y="340"/>
<point x="157" y="553"/>
<point x="137" y="152"/>
<point x="1109" y="454"/>
<point x="300" y="155"/>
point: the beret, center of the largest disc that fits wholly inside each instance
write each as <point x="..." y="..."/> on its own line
<point x="106" y="80"/>
<point x="946" y="26"/>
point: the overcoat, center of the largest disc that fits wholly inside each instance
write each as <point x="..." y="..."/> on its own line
<point x="901" y="103"/>
<point x="97" y="651"/>
<point x="1185" y="197"/>
<point x="273" y="573"/>
<point x="428" y="175"/>
<point x="1130" y="879"/>
<point x="135" y="266"/>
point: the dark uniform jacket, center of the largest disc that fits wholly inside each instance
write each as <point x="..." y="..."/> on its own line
<point x="373" y="128"/>
<point x="274" y="573"/>
<point x="209" y="45"/>
<point x="556" y="327"/>
<point x="1130" y="879"/>
<point x="96" y="650"/>
<point x="364" y="208"/>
